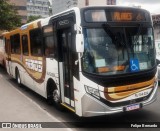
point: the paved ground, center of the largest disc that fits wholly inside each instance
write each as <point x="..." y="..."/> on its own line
<point x="17" y="107"/>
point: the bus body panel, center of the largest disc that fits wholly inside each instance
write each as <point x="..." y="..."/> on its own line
<point x="157" y="45"/>
<point x="85" y="93"/>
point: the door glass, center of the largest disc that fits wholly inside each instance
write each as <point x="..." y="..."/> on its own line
<point x="66" y="69"/>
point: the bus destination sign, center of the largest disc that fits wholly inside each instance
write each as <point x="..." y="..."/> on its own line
<point x="122" y="16"/>
<point x="127" y="16"/>
<point x="115" y="16"/>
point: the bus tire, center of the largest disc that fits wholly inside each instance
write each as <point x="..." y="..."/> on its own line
<point x="53" y="96"/>
<point x="18" y="79"/>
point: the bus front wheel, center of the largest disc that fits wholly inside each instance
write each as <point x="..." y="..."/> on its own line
<point x="53" y="96"/>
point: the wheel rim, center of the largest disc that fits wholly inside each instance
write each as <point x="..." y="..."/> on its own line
<point x="19" y="81"/>
<point x="56" y="96"/>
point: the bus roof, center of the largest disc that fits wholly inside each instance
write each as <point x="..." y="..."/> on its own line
<point x="45" y="21"/>
<point x="114" y="6"/>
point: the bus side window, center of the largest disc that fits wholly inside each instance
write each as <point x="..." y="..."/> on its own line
<point x="36" y="42"/>
<point x="6" y="46"/>
<point x="25" y="45"/>
<point x="49" y="41"/>
<point x="15" y="44"/>
<point x="49" y="46"/>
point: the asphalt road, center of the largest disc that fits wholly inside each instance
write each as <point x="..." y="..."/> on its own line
<point x="37" y="110"/>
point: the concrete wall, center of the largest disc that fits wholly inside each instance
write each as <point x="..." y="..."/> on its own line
<point x="61" y="5"/>
<point x="38" y="8"/>
<point x="21" y="6"/>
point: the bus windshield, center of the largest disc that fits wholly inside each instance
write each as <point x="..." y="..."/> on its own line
<point x="118" y="50"/>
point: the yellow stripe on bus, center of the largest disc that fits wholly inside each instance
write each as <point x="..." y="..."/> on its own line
<point x="129" y="87"/>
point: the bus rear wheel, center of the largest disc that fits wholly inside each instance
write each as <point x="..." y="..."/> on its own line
<point x="18" y="79"/>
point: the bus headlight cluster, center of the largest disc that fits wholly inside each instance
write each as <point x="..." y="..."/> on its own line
<point x="92" y="91"/>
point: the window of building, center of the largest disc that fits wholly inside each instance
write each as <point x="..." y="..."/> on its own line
<point x="25" y="45"/>
<point x="36" y="42"/>
<point x="39" y="2"/>
<point x="15" y="44"/>
<point x="20" y="7"/>
<point x="87" y="2"/>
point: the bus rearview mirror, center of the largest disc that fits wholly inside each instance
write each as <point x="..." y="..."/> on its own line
<point x="79" y="43"/>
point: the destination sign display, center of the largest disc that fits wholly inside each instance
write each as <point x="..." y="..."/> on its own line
<point x="117" y="15"/>
<point x="127" y="16"/>
<point x="120" y="16"/>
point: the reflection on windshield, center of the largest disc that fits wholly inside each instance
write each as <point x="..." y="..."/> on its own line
<point x="118" y="50"/>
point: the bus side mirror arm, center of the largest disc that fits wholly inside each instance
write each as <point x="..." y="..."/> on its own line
<point x="76" y="62"/>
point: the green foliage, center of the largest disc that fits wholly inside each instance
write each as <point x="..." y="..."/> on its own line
<point x="9" y="18"/>
<point x="33" y="18"/>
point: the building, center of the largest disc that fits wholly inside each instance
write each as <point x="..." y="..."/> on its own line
<point x="156" y="24"/>
<point x="61" y="5"/>
<point x="20" y="6"/>
<point x="38" y="8"/>
<point x="111" y="2"/>
<point x="28" y="8"/>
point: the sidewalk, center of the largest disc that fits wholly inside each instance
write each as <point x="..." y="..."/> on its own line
<point x="16" y="107"/>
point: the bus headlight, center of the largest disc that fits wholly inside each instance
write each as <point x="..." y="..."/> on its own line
<point x="92" y="91"/>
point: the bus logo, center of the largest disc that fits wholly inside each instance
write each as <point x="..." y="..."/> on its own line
<point x="35" y="65"/>
<point x="64" y="22"/>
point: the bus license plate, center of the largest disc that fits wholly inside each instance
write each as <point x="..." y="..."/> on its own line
<point x="132" y="107"/>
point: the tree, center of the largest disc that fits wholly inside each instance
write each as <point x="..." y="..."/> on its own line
<point x="9" y="18"/>
<point x="33" y="18"/>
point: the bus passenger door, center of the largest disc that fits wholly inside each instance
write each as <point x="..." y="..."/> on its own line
<point x="66" y="66"/>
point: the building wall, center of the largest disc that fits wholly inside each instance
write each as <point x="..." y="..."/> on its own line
<point x="38" y="8"/>
<point x="97" y="2"/>
<point x="157" y="32"/>
<point x="61" y="5"/>
<point x="156" y="24"/>
<point x="111" y="2"/>
<point x="20" y="5"/>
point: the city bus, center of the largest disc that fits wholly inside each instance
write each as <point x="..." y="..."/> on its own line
<point x="94" y="60"/>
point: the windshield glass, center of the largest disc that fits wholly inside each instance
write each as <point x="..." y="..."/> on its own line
<point x="118" y="50"/>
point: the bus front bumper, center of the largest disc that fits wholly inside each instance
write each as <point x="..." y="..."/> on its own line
<point x="93" y="107"/>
